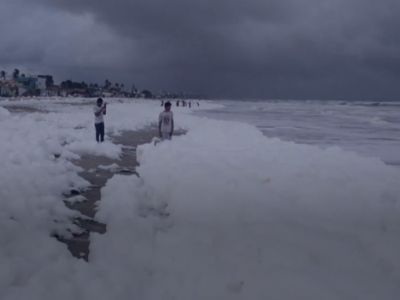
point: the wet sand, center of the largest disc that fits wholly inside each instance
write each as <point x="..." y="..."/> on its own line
<point x="79" y="245"/>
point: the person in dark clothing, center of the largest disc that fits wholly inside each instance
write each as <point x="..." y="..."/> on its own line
<point x="99" y="112"/>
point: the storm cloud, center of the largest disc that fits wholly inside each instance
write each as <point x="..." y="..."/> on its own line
<point x="310" y="49"/>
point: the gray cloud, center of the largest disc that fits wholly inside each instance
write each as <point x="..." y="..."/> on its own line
<point x="265" y="49"/>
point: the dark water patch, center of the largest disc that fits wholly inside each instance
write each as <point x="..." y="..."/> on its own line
<point x="378" y="104"/>
<point x="98" y="177"/>
<point x="383" y="139"/>
<point x="24" y="109"/>
<point x="393" y="163"/>
<point x="79" y="245"/>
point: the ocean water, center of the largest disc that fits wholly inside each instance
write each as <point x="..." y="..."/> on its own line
<point x="370" y="129"/>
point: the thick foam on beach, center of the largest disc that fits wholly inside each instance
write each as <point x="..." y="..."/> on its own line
<point x="222" y="212"/>
<point x="256" y="217"/>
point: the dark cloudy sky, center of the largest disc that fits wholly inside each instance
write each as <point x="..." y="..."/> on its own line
<point x="297" y="49"/>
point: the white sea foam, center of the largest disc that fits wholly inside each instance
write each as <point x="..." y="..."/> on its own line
<point x="220" y="213"/>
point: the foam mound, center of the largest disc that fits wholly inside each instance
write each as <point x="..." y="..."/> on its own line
<point x="251" y="217"/>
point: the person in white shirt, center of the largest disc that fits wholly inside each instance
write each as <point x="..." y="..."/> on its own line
<point x="166" y="122"/>
<point x="99" y="112"/>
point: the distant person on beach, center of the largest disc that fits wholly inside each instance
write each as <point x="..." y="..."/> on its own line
<point x="190" y="104"/>
<point x="177" y="103"/>
<point x="162" y="103"/>
<point x="166" y="123"/>
<point x="198" y="104"/>
<point x="99" y="112"/>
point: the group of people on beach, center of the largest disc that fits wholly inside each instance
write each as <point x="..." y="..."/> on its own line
<point x="184" y="103"/>
<point x="165" y="121"/>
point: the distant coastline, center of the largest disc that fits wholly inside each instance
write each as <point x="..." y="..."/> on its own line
<point x="21" y="85"/>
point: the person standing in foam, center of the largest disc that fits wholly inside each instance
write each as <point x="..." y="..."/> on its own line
<point x="99" y="112"/>
<point x="166" y="122"/>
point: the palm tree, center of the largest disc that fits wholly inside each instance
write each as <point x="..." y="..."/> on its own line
<point x="23" y="75"/>
<point x="107" y="84"/>
<point x="3" y="74"/>
<point x="16" y="73"/>
<point x="67" y="84"/>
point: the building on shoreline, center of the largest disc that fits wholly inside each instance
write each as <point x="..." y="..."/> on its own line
<point x="25" y="86"/>
<point x="8" y="89"/>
